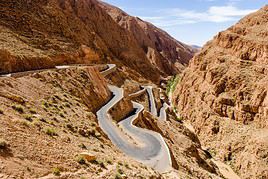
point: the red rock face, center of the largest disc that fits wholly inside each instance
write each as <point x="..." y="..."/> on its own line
<point x="224" y="94"/>
<point x="167" y="54"/>
<point x="48" y="29"/>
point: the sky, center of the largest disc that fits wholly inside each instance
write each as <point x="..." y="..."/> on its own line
<point x="191" y="21"/>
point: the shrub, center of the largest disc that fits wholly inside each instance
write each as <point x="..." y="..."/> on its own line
<point x="172" y="83"/>
<point x="67" y="105"/>
<point x="179" y="119"/>
<point x="28" y="117"/>
<point x="33" y="111"/>
<point x="118" y="176"/>
<point x="56" y="171"/>
<point x="1" y="111"/>
<point x="61" y="115"/>
<point x="50" y="132"/>
<point x="81" y="160"/>
<point x="101" y="164"/>
<point x="109" y="161"/>
<point x="45" y="104"/>
<point x="18" y="108"/>
<point x="127" y="166"/>
<point x="3" y="144"/>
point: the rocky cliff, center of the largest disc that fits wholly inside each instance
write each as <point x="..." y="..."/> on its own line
<point x="40" y="34"/>
<point x="224" y="94"/>
<point x="167" y="54"/>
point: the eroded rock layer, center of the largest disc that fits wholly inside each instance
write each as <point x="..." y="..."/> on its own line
<point x="224" y="94"/>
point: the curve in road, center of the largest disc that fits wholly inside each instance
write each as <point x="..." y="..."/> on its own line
<point x="152" y="104"/>
<point x="153" y="151"/>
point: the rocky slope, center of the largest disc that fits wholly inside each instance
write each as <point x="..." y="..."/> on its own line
<point x="167" y="54"/>
<point x="48" y="119"/>
<point x="224" y="95"/>
<point x="39" y="34"/>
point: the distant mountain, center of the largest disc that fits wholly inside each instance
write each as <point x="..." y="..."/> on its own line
<point x="163" y="51"/>
<point x="196" y="47"/>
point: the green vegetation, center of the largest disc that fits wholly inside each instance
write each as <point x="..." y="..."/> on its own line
<point x="179" y="119"/>
<point x="18" y="108"/>
<point x="172" y="83"/>
<point x="51" y="132"/>
<point x="56" y="171"/>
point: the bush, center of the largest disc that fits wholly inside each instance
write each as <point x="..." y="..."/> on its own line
<point x="118" y="176"/>
<point x="179" y="119"/>
<point x="1" y="111"/>
<point x="61" y="115"/>
<point x="56" y="171"/>
<point x="28" y="117"/>
<point x="33" y="111"/>
<point x="18" y="108"/>
<point x="101" y="164"/>
<point x="81" y="160"/>
<point x="3" y="144"/>
<point x="50" y="132"/>
<point x="172" y="83"/>
<point x="109" y="161"/>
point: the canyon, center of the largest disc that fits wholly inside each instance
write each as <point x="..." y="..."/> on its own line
<point x="89" y="91"/>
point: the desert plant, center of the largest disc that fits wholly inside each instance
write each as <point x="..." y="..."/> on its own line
<point x="3" y="144"/>
<point x="18" y="108"/>
<point x="33" y="111"/>
<point x="28" y="117"/>
<point x="61" y="115"/>
<point x="81" y="160"/>
<point x="179" y="119"/>
<point x="109" y="161"/>
<point x="56" y="171"/>
<point x="50" y="132"/>
<point x="101" y="164"/>
<point x="118" y="176"/>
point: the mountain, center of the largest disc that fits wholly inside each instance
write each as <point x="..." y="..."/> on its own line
<point x="41" y="34"/>
<point x="196" y="47"/>
<point x="163" y="51"/>
<point x="224" y="95"/>
<point x="55" y="121"/>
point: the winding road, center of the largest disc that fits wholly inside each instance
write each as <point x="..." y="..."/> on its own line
<point x="152" y="105"/>
<point x="144" y="145"/>
<point x="152" y="149"/>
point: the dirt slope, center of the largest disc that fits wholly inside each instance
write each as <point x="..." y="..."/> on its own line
<point x="224" y="94"/>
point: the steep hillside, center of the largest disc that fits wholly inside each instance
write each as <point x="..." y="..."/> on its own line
<point x="38" y="34"/>
<point x="167" y="54"/>
<point x="224" y="94"/>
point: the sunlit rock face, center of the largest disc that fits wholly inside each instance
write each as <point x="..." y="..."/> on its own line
<point x="224" y="94"/>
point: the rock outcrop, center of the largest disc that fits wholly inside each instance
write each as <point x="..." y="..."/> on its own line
<point x="167" y="54"/>
<point x="224" y="94"/>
